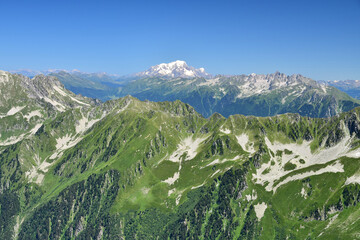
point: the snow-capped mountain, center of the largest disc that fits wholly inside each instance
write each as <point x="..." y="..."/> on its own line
<point x="173" y="70"/>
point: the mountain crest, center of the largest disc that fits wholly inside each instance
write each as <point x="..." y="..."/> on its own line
<point x="174" y="69"/>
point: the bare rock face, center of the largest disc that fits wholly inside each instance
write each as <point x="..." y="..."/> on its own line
<point x="25" y="103"/>
<point x="40" y="88"/>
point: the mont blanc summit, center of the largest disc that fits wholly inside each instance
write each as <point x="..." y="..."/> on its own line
<point x="174" y="69"/>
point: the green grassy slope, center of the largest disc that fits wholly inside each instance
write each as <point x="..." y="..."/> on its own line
<point x="148" y="170"/>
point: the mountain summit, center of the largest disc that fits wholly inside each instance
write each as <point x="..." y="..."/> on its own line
<point x="173" y="70"/>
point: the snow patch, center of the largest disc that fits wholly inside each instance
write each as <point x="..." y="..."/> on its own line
<point x="243" y="141"/>
<point x="171" y="180"/>
<point x="188" y="146"/>
<point x="84" y="124"/>
<point x="17" y="226"/>
<point x="57" y="105"/>
<point x="64" y="143"/>
<point x="331" y="221"/>
<point x="82" y="103"/>
<point x="35" y="129"/>
<point x="297" y="152"/>
<point x="33" y="174"/>
<point x="303" y="193"/>
<point x="252" y="196"/>
<point x="334" y="168"/>
<point x="260" y="210"/>
<point x="197" y="186"/>
<point x="177" y="200"/>
<point x="60" y="91"/>
<point x="216" y="161"/>
<point x="44" y="166"/>
<point x="217" y="171"/>
<point x="171" y="191"/>
<point x="225" y="130"/>
<point x="33" y="114"/>
<point x="14" y="110"/>
<point x="14" y="139"/>
<point x="355" y="179"/>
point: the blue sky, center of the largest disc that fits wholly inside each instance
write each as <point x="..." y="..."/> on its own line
<point x="318" y="38"/>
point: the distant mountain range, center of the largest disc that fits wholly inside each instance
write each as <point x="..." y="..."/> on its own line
<point x="32" y="73"/>
<point x="351" y="87"/>
<point x="254" y="94"/>
<point x="102" y="86"/>
<point x="171" y="70"/>
<point x="94" y="85"/>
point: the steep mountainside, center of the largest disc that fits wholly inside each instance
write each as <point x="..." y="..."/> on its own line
<point x="128" y="169"/>
<point x="25" y="104"/>
<point x="102" y="86"/>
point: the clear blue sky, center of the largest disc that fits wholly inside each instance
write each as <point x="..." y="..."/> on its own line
<point x="317" y="38"/>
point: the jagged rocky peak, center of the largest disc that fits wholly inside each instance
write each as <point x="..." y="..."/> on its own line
<point x="5" y="77"/>
<point x="39" y="84"/>
<point x="174" y="69"/>
<point x="47" y="81"/>
<point x="36" y="80"/>
<point x="279" y="77"/>
<point x="40" y="87"/>
<point x="276" y="80"/>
